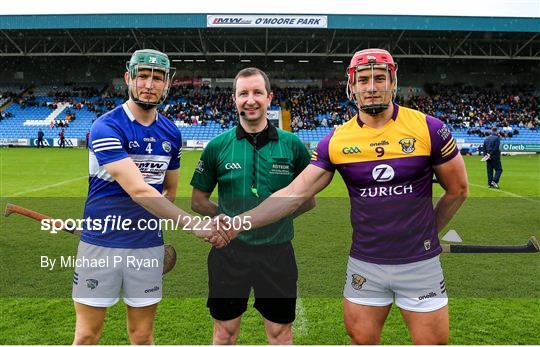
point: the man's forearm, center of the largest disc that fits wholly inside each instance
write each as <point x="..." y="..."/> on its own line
<point x="161" y="207"/>
<point x="205" y="207"/>
<point x="446" y="208"/>
<point x="272" y="210"/>
<point x="169" y="196"/>
<point x="306" y="206"/>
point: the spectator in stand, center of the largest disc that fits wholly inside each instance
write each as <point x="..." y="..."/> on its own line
<point x="324" y="122"/>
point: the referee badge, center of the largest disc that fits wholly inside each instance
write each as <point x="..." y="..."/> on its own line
<point x="166" y="145"/>
<point x="200" y="167"/>
<point x="358" y="281"/>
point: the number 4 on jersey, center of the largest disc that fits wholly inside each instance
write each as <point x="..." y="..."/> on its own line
<point x="149" y="148"/>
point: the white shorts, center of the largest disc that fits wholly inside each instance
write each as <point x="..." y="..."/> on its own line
<point x="103" y="274"/>
<point x="417" y="287"/>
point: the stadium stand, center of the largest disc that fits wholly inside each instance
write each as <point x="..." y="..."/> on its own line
<point x="469" y="111"/>
<point x="202" y="113"/>
<point x="9" y="91"/>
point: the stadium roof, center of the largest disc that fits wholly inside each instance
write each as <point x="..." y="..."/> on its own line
<point x="479" y="29"/>
<point x="338" y="21"/>
<point x="463" y="15"/>
<point x="271" y="43"/>
<point x="459" y="8"/>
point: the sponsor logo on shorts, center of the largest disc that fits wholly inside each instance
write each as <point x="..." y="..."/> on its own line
<point x="92" y="283"/>
<point x="358" y="281"/>
<point x="427" y="245"/>
<point x="155" y="289"/>
<point x="427" y="296"/>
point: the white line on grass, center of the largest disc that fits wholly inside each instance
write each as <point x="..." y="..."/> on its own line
<point x="47" y="186"/>
<point x="505" y="192"/>
<point x="300" y="326"/>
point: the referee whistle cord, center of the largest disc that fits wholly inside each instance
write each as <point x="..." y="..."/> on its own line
<point x="254" y="137"/>
<point x="254" y="172"/>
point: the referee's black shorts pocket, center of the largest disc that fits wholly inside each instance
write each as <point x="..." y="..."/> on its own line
<point x="277" y="274"/>
<point x="276" y="285"/>
<point x="227" y="276"/>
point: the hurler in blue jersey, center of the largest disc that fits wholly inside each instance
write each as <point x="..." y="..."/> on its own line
<point x="134" y="161"/>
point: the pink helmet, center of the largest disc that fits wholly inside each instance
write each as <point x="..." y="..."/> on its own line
<point x="372" y="58"/>
<point x="363" y="59"/>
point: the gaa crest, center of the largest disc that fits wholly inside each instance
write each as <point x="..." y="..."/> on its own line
<point x="166" y="145"/>
<point x="358" y="281"/>
<point x="407" y="144"/>
<point x="92" y="283"/>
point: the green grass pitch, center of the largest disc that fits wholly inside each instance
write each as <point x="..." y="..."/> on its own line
<point x="494" y="298"/>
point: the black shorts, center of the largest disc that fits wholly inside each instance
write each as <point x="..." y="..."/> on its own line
<point x="270" y="270"/>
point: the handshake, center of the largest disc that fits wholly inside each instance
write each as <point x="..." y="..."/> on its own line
<point x="222" y="229"/>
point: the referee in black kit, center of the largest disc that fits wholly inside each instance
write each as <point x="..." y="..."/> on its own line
<point x="248" y="163"/>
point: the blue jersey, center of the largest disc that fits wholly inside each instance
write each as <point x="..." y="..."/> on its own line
<point x="155" y="149"/>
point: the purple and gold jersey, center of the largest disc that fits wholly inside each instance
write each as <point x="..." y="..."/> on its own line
<point x="388" y="173"/>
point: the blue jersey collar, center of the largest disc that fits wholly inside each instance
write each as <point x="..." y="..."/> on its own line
<point x="130" y="115"/>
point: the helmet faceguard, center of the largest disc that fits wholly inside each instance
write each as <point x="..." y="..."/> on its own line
<point x="372" y="59"/>
<point x="149" y="59"/>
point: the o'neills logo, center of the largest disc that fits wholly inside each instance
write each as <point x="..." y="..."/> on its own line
<point x="380" y="143"/>
<point x="156" y="288"/>
<point x="427" y="296"/>
<point x="386" y="191"/>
